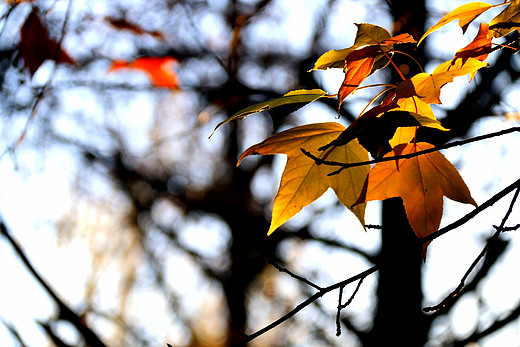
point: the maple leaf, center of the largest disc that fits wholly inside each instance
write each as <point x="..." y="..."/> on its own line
<point x="35" y="46"/>
<point x="294" y="99"/>
<point x="421" y="182"/>
<point x="506" y="21"/>
<point x="376" y="128"/>
<point x="465" y="14"/>
<point x="159" y="69"/>
<point x="303" y="181"/>
<point x="427" y="87"/>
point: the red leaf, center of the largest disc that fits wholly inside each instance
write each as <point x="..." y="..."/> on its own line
<point x="36" y="46"/>
<point x="159" y="69"/>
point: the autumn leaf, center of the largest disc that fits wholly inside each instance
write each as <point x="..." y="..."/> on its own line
<point x="358" y="66"/>
<point x="427" y="87"/>
<point x="36" y="46"/>
<point x="465" y="14"/>
<point x="159" y="69"/>
<point x="421" y="182"/>
<point x="479" y="48"/>
<point x="299" y="98"/>
<point x="367" y="34"/>
<point x="123" y="24"/>
<point x="507" y="21"/>
<point x="375" y="131"/>
<point x="302" y="180"/>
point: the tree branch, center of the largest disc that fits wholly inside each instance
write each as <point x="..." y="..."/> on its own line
<point x="65" y="313"/>
<point x="310" y="300"/>
<point x="343" y="166"/>
<point x="453" y="295"/>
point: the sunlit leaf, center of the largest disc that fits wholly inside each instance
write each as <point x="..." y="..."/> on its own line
<point x="427" y="87"/>
<point x="507" y="21"/>
<point x="358" y="67"/>
<point x="421" y="182"/>
<point x="367" y="34"/>
<point x="465" y="14"/>
<point x="479" y="48"/>
<point x="374" y="131"/>
<point x="302" y="180"/>
<point x="300" y="97"/>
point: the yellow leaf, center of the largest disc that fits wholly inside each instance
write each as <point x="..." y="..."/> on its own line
<point x="421" y="182"/>
<point x="302" y="180"/>
<point x="507" y="21"/>
<point x="465" y="14"/>
<point x="427" y="87"/>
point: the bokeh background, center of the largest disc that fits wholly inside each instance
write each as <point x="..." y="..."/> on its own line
<point x="123" y="224"/>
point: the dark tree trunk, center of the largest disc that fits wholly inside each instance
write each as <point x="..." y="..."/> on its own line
<point x="399" y="318"/>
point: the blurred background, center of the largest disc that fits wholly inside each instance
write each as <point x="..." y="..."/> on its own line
<point x="123" y="224"/>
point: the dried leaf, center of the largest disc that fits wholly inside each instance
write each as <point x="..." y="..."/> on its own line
<point x="123" y="24"/>
<point x="36" y="46"/>
<point x="302" y="180"/>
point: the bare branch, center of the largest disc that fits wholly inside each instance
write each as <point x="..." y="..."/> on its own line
<point x="292" y="274"/>
<point x="453" y="295"/>
<point x="310" y="300"/>
<point x="342" y="306"/>
<point x="344" y="166"/>
<point x="65" y="313"/>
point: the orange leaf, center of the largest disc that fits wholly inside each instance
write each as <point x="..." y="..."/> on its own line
<point x="159" y="69"/>
<point x="302" y="180"/>
<point x="479" y="48"/>
<point x="465" y="14"/>
<point x="358" y="65"/>
<point x="36" y="46"/>
<point x="421" y="182"/>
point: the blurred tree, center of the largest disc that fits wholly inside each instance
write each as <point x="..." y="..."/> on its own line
<point x="122" y="96"/>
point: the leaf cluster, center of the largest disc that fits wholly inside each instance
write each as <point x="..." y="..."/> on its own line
<point x="385" y="129"/>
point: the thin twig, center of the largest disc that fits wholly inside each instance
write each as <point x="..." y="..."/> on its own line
<point x="342" y="306"/>
<point x="456" y="292"/>
<point x="309" y="301"/>
<point x="292" y="274"/>
<point x="343" y="166"/>
<point x="488" y="203"/>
